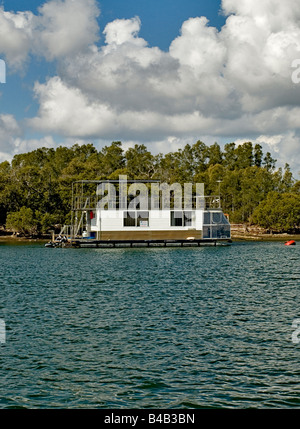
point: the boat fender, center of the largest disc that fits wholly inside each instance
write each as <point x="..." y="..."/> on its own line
<point x="290" y="243"/>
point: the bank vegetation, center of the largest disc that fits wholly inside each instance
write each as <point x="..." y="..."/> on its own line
<point x="35" y="187"/>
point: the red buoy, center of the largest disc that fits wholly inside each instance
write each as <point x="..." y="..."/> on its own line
<point x="290" y="243"/>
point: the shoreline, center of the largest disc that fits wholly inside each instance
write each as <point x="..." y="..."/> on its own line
<point x="235" y="236"/>
<point x="265" y="237"/>
<point x="11" y="237"/>
<point x="243" y="232"/>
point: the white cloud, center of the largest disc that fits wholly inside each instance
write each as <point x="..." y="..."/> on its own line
<point x="194" y="47"/>
<point x="15" y="36"/>
<point x="68" y="111"/>
<point x="283" y="147"/>
<point x="270" y="14"/>
<point x="9" y="130"/>
<point x="65" y="27"/>
<point x="123" y="31"/>
<point x="22" y="145"/>
<point x="235" y="81"/>
<point x="227" y="74"/>
<point x="62" y="27"/>
<point x="12" y="140"/>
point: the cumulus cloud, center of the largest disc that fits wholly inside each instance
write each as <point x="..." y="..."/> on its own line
<point x="234" y="82"/>
<point x="15" y="36"/>
<point x="271" y="14"/>
<point x="68" y="111"/>
<point x="22" y="145"/>
<point x="284" y="146"/>
<point x="62" y="27"/>
<point x="12" y="140"/>
<point x="9" y="131"/>
<point x="66" y="27"/>
<point x="123" y="31"/>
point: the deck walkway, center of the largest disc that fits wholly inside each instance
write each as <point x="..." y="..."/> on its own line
<point x="147" y="243"/>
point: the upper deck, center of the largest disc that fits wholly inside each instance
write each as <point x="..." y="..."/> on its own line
<point x="142" y="194"/>
<point x="145" y="210"/>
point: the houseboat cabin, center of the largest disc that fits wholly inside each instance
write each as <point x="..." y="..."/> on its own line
<point x="131" y="212"/>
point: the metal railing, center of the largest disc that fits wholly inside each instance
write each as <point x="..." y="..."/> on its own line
<point x="86" y="203"/>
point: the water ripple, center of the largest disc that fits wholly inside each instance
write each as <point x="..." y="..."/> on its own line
<point x="150" y="328"/>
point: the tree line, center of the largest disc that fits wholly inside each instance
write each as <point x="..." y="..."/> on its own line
<point x="35" y="187"/>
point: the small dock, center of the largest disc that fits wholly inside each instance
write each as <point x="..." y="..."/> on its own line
<point x="80" y="243"/>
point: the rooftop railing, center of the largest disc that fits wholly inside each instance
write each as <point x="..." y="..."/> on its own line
<point x="86" y="203"/>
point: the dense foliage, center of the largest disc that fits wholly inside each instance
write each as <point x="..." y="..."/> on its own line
<point x="35" y="188"/>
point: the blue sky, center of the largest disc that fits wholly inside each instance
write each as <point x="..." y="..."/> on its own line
<point x="161" y="19"/>
<point x="163" y="73"/>
<point x="161" y="22"/>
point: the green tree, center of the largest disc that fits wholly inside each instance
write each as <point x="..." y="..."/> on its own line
<point x="112" y="158"/>
<point x="215" y="155"/>
<point x="41" y="180"/>
<point x="269" y="162"/>
<point x="200" y="156"/>
<point x="139" y="162"/>
<point x="215" y="175"/>
<point x="296" y="187"/>
<point x="244" y="155"/>
<point x="22" y="221"/>
<point x="185" y="164"/>
<point x="287" y="179"/>
<point x="231" y="195"/>
<point x="230" y="156"/>
<point x="258" y="155"/>
<point x="5" y="170"/>
<point x="278" y="212"/>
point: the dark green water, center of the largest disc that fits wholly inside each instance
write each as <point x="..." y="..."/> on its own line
<point x="150" y="328"/>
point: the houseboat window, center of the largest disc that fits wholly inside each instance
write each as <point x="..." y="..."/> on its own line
<point x="214" y="232"/>
<point x="206" y="218"/>
<point x="129" y="218"/>
<point x="136" y="219"/>
<point x="93" y="217"/>
<point x="181" y="218"/>
<point x="219" y="217"/>
<point x="142" y="219"/>
<point x="176" y="218"/>
<point x="216" y="217"/>
<point x="224" y="231"/>
<point x="187" y="218"/>
<point x="215" y="225"/>
<point x="206" y="231"/>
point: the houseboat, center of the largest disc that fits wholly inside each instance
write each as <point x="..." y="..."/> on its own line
<point x="114" y="213"/>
